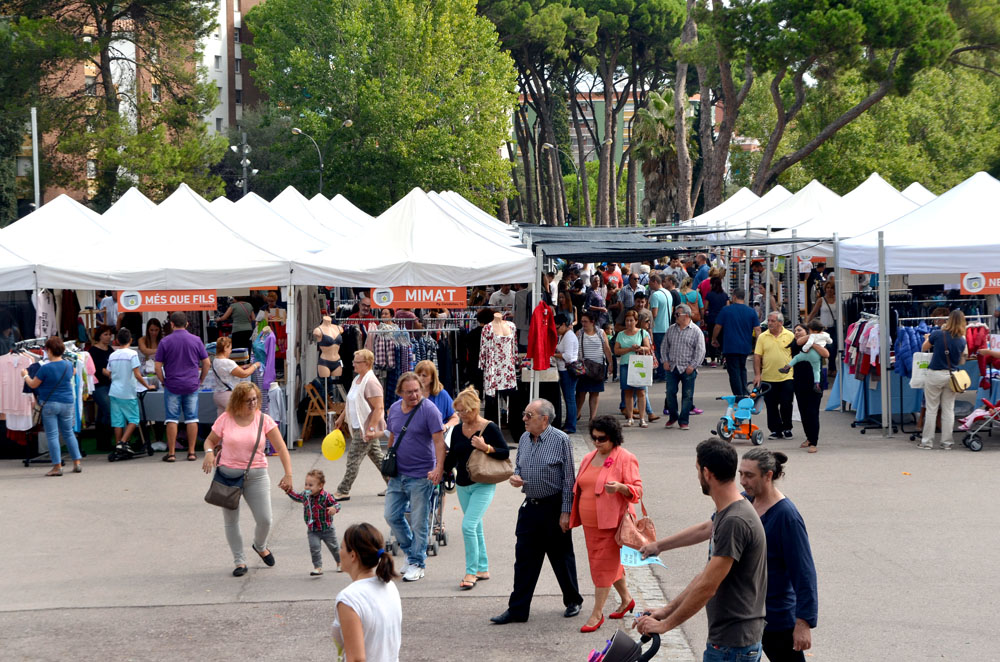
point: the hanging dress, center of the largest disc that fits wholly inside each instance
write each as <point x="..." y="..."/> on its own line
<point x="498" y="359"/>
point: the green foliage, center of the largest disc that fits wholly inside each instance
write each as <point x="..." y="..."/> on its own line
<point x="570" y="182"/>
<point x="424" y="83"/>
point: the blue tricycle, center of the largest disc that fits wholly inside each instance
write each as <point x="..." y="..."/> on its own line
<point x="737" y="420"/>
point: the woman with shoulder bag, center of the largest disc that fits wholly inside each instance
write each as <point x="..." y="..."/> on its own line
<point x="227" y="374"/>
<point x="238" y="435"/>
<point x="474" y="433"/>
<point x="607" y="484"/>
<point x="54" y="384"/>
<point x="365" y="416"/>
<point x="632" y="340"/>
<point x="595" y="352"/>
<point x="948" y="346"/>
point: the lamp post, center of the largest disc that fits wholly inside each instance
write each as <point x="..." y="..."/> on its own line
<point x="576" y="168"/>
<point x="244" y="150"/>
<point x="348" y="123"/>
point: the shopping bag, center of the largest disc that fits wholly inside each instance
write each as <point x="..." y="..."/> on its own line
<point x="640" y="370"/>
<point x="921" y="360"/>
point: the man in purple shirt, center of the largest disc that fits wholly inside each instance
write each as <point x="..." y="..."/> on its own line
<point x="181" y="365"/>
<point x="420" y="461"/>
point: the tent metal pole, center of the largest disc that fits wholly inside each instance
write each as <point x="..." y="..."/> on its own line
<point x="883" y="318"/>
<point x="291" y="365"/>
<point x="746" y="270"/>
<point x="767" y="280"/>
<point x="839" y="321"/>
<point x="536" y="298"/>
<point x="792" y="274"/>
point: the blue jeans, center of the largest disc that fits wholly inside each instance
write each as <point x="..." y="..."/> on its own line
<point x="412" y="535"/>
<point x="567" y="381"/>
<point x="475" y="499"/>
<point x="686" y="382"/>
<point x="715" y="653"/>
<point x="658" y="371"/>
<point x="173" y="403"/>
<point x="57" y="419"/>
<point x="102" y="397"/>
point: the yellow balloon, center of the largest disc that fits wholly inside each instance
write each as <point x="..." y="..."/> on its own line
<point x="334" y="445"/>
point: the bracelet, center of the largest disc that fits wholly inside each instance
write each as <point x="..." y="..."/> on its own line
<point x="491" y="449"/>
<point x="209" y="450"/>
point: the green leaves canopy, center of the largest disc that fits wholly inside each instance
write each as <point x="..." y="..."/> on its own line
<point x="426" y="86"/>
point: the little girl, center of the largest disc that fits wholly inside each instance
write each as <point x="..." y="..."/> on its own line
<point x="318" y="510"/>
<point x="819" y="338"/>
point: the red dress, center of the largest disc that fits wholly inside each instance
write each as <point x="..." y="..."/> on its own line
<point x="603" y="552"/>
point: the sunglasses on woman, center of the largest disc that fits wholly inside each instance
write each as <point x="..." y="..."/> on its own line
<point x="599" y="438"/>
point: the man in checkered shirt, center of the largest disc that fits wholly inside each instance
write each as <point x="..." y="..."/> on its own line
<point x="545" y="472"/>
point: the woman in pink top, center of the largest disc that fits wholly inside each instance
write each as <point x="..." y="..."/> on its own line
<point x="232" y="439"/>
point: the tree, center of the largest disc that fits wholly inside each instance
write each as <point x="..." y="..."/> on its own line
<point x="427" y="89"/>
<point x="131" y="45"/>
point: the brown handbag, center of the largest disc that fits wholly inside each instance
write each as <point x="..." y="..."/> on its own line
<point x="634" y="532"/>
<point x="488" y="470"/>
<point x="226" y="492"/>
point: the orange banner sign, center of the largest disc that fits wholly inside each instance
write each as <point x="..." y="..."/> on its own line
<point x="981" y="283"/>
<point x="134" y="301"/>
<point x="418" y="297"/>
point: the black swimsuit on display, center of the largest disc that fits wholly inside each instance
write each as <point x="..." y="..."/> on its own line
<point x="327" y="341"/>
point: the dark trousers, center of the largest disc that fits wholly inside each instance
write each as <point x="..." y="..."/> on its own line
<point x="778" y="647"/>
<point x="779" y="406"/>
<point x="809" y="401"/>
<point x="241" y="339"/>
<point x="736" y="366"/>
<point x="538" y="535"/>
<point x="658" y="372"/>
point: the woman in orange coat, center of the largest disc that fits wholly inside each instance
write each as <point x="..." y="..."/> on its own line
<point x="607" y="484"/>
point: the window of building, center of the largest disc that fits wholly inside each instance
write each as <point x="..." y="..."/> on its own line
<point x="218" y="62"/>
<point x="218" y="125"/>
<point x="91" y="169"/>
<point x="154" y="92"/>
<point x="90" y="86"/>
<point x="239" y="65"/>
<point x="239" y="96"/>
<point x="236" y="35"/>
<point x="221" y="98"/>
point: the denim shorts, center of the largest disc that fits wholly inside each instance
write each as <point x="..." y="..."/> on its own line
<point x="173" y="404"/>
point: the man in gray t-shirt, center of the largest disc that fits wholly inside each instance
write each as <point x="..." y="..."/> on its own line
<point x="733" y="586"/>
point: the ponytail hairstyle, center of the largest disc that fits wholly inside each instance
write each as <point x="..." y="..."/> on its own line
<point x="365" y="540"/>
<point x="773" y="461"/>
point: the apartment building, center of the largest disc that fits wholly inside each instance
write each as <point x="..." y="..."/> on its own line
<point x="227" y="69"/>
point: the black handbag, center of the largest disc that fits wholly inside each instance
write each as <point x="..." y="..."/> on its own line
<point x="389" y="468"/>
<point x="226" y="492"/>
<point x="594" y="370"/>
<point x="36" y="409"/>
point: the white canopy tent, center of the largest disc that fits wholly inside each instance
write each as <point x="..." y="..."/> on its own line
<point x="737" y="222"/>
<point x="315" y="216"/>
<point x="918" y="193"/>
<point x="811" y="201"/>
<point x="264" y="225"/>
<point x="411" y="252"/>
<point x="735" y="203"/>
<point x="16" y="273"/>
<point x="348" y="209"/>
<point x="958" y="231"/>
<point x="506" y="237"/>
<point x="463" y="203"/>
<point x="872" y="203"/>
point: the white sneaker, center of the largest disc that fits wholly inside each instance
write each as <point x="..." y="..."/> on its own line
<point x="413" y="573"/>
<point x="405" y="568"/>
<point x="925" y="445"/>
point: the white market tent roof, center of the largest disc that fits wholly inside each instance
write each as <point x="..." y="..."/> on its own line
<point x="957" y="232"/>
<point x="738" y="220"/>
<point x="735" y="203"/>
<point x="811" y="201"/>
<point x="348" y="209"/>
<point x="16" y="273"/>
<point x="502" y="236"/>
<point x="404" y="246"/>
<point x="463" y="203"/>
<point x="872" y="203"/>
<point x="264" y="225"/>
<point x="918" y="193"/>
<point x="317" y="217"/>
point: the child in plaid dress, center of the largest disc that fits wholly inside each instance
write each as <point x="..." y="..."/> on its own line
<point x="318" y="510"/>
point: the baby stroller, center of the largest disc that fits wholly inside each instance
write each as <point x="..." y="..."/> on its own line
<point x="131" y="450"/>
<point x="438" y="536"/>
<point x="972" y="440"/>
<point x="621" y="648"/>
<point x="737" y="423"/>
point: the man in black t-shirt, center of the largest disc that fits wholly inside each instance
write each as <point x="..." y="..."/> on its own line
<point x="733" y="586"/>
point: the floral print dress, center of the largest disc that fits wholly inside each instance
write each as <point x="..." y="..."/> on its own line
<point x="498" y="359"/>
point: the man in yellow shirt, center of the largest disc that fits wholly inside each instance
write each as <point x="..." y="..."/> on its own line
<point x="771" y="351"/>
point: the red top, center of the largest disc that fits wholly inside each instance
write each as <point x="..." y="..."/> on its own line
<point x="542" y="337"/>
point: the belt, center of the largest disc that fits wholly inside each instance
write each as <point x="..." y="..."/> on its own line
<point x="544" y="500"/>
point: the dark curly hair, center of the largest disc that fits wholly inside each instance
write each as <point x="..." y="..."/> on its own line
<point x="608" y="425"/>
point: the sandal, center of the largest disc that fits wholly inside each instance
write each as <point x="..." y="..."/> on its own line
<point x="170" y="457"/>
<point x="804" y="444"/>
<point x="812" y="449"/>
<point x="341" y="497"/>
<point x="466" y="584"/>
<point x="480" y="578"/>
<point x="54" y="472"/>
<point x="192" y="457"/>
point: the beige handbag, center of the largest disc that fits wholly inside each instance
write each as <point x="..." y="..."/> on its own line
<point x="960" y="380"/>
<point x="634" y="532"/>
<point x="488" y="470"/>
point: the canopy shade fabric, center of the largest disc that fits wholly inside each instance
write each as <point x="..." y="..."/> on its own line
<point x="736" y="202"/>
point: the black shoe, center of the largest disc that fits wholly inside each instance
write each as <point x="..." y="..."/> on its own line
<point x="239" y="571"/>
<point x="505" y="618"/>
<point x="268" y="559"/>
<point x="571" y="611"/>
<point x="788" y="434"/>
<point x="775" y="435"/>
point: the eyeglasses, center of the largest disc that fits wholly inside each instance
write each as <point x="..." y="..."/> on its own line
<point x="528" y="415"/>
<point x="251" y="401"/>
<point x="599" y="439"/>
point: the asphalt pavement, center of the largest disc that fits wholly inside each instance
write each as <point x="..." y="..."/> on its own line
<point x="126" y="562"/>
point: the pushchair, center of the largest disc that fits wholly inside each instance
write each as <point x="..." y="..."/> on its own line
<point x="621" y="648"/>
<point x="972" y="440"/>
<point x="737" y="421"/>
<point x="437" y="537"/>
<point x="130" y="450"/>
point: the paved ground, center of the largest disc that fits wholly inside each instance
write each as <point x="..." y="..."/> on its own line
<point x="125" y="562"/>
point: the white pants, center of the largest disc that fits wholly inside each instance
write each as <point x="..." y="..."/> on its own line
<point x="938" y="394"/>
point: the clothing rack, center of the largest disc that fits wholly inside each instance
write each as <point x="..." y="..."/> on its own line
<point x="869" y="422"/>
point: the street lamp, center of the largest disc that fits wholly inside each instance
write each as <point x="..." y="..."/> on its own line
<point x="243" y="150"/>
<point x="576" y="168"/>
<point x="299" y="132"/>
